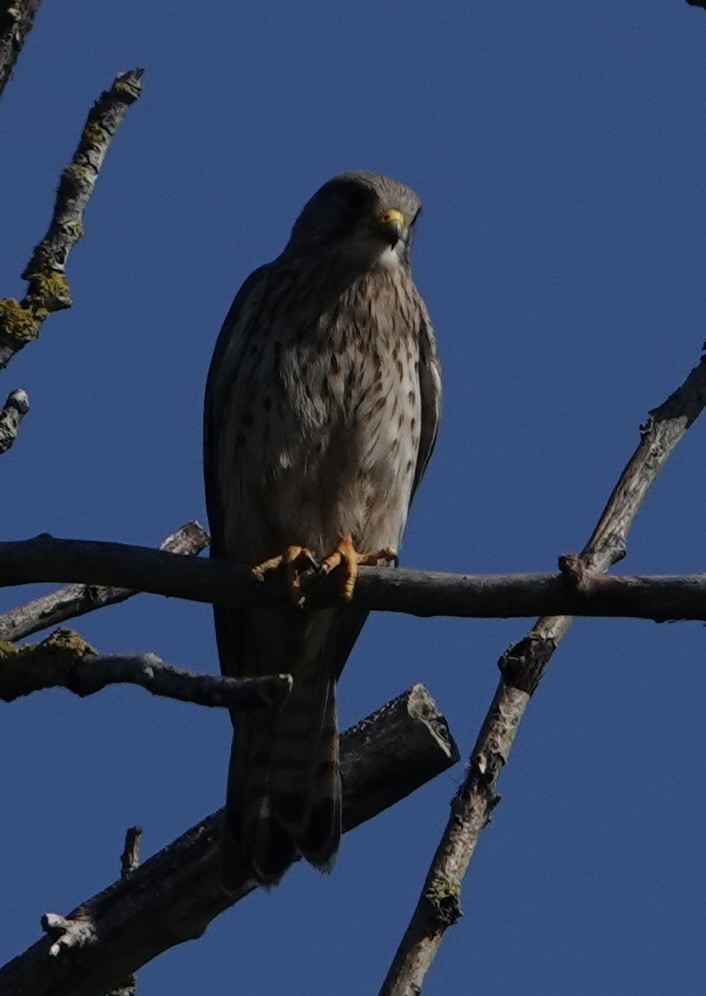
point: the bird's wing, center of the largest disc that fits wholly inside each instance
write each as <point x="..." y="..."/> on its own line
<point x="230" y="620"/>
<point x="219" y="385"/>
<point x="221" y="382"/>
<point x="430" y="392"/>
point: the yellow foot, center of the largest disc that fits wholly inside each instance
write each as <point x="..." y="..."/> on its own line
<point x="297" y="561"/>
<point x="346" y="555"/>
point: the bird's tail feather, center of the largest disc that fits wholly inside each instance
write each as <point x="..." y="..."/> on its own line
<point x="284" y="787"/>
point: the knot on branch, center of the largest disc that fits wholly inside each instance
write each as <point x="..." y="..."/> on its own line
<point x="24" y="668"/>
<point x="18" y="323"/>
<point x="575" y="571"/>
<point x="75" y="933"/>
<point x="443" y="898"/>
<point x="522" y="665"/>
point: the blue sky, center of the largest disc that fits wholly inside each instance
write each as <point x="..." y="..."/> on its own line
<point x="560" y="150"/>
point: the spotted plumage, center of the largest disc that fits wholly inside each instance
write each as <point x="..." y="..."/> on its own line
<point x="321" y="411"/>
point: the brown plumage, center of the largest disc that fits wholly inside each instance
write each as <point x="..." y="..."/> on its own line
<point x="321" y="411"/>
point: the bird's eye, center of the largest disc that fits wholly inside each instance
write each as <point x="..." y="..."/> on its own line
<point x="356" y="199"/>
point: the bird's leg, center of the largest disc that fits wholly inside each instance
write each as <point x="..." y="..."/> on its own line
<point x="296" y="560"/>
<point x="346" y="555"/>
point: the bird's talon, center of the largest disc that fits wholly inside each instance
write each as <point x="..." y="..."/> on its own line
<point x="347" y="556"/>
<point x="259" y="570"/>
<point x="298" y="562"/>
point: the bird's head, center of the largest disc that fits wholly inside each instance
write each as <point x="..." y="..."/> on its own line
<point x="364" y="218"/>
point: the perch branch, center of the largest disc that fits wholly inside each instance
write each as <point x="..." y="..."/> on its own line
<point x="78" y="599"/>
<point x="16" y="407"/>
<point x="173" y="896"/>
<point x="16" y="21"/>
<point x="522" y="667"/>
<point x="48" y="290"/>
<point x="65" y="660"/>
<point x="387" y="589"/>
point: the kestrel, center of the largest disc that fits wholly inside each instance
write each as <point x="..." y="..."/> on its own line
<point x="321" y="412"/>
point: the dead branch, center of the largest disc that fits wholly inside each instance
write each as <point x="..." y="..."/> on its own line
<point x="16" y="21"/>
<point x="172" y="897"/>
<point x="48" y="290"/>
<point x="77" y="600"/>
<point x="130" y="858"/>
<point x="522" y="668"/>
<point x="129" y="863"/>
<point x="65" y="660"/>
<point x="420" y="593"/>
<point x="16" y="407"/>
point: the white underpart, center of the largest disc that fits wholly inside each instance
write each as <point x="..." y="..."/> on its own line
<point x="390" y="257"/>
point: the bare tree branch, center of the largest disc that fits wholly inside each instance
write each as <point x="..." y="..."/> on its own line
<point x="173" y="896"/>
<point x="48" y="291"/>
<point x="16" y="407"/>
<point x="77" y="600"/>
<point x="65" y="660"/>
<point x="419" y="593"/>
<point x="522" y="667"/>
<point x="16" y="21"/>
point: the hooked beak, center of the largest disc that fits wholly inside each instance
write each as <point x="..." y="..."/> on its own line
<point x="392" y="225"/>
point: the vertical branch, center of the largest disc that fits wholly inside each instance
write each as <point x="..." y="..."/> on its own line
<point x="129" y="863"/>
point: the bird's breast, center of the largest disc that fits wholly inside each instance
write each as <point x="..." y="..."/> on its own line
<point x="333" y="447"/>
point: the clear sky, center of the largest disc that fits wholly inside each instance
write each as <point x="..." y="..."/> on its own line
<point x="560" y="150"/>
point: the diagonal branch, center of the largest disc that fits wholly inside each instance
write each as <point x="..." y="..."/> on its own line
<point x="65" y="660"/>
<point x="522" y="668"/>
<point x="48" y="291"/>
<point x="16" y="21"/>
<point x="173" y="897"/>
<point x="386" y="589"/>
<point x="77" y="600"/>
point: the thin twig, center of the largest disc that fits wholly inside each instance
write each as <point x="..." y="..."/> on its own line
<point x="16" y="21"/>
<point x="78" y="599"/>
<point x="129" y="863"/>
<point x="419" y="593"/>
<point x="130" y="858"/>
<point x="16" y="407"/>
<point x="522" y="667"/>
<point x="48" y="290"/>
<point x="173" y="896"/>
<point x="65" y="660"/>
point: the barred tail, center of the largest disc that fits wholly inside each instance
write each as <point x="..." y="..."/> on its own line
<point x="284" y="786"/>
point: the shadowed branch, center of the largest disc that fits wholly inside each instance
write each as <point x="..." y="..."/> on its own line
<point x="173" y="896"/>
<point x="420" y="593"/>
<point x="65" y="660"/>
<point x="77" y="600"/>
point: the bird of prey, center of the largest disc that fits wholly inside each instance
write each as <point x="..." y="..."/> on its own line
<point x="321" y="411"/>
